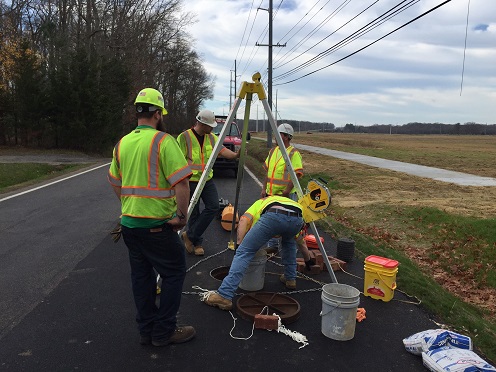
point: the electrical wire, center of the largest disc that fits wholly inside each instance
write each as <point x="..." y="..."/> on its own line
<point x="465" y="47"/>
<point x="366" y="46"/>
<point x="357" y="34"/>
<point x="319" y="26"/>
<point x="343" y="25"/>
<point x="244" y="32"/>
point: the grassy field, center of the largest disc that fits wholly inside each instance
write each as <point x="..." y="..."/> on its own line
<point x="16" y="175"/>
<point x="444" y="235"/>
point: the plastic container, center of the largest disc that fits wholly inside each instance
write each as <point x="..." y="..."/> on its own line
<point x="380" y="278"/>
<point x="254" y="276"/>
<point x="339" y="309"/>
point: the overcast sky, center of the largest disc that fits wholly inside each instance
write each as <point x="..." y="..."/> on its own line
<point x="414" y="74"/>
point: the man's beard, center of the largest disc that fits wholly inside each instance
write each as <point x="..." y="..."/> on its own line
<point x="161" y="125"/>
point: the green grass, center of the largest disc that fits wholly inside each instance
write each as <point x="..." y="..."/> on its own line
<point x="471" y="237"/>
<point x="13" y="175"/>
<point x="445" y="307"/>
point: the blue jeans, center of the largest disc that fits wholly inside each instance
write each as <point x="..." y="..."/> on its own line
<point x="275" y="242"/>
<point x="164" y="251"/>
<point x="198" y="222"/>
<point x="268" y="225"/>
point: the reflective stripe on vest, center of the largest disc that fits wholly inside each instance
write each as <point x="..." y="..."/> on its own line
<point x="196" y="159"/>
<point x="151" y="191"/>
<point x="274" y="174"/>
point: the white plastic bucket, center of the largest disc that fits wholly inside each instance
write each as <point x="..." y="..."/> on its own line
<point x="339" y="309"/>
<point x="254" y="276"/>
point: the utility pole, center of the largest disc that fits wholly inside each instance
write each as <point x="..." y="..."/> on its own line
<point x="231" y="86"/>
<point x="275" y="119"/>
<point x="269" y="82"/>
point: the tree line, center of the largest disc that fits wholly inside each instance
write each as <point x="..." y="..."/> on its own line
<point x="469" y="128"/>
<point x="70" y="69"/>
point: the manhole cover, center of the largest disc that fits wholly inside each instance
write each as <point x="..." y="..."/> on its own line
<point x="251" y="304"/>
<point x="220" y="273"/>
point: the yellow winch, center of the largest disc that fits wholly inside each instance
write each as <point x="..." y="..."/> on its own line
<point x="315" y="201"/>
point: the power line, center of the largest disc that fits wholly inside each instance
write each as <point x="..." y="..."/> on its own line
<point x="301" y="19"/>
<point x="315" y="29"/>
<point x="465" y="48"/>
<point x="366" y="46"/>
<point x="244" y="31"/>
<point x="357" y="34"/>
<point x="344" y="24"/>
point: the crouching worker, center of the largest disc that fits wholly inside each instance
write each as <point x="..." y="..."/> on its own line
<point x="267" y="217"/>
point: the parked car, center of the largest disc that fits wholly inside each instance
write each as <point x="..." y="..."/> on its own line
<point x="232" y="141"/>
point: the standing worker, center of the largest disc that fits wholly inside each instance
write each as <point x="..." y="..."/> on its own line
<point x="278" y="182"/>
<point x="150" y="177"/>
<point x="197" y="144"/>
<point x="273" y="215"/>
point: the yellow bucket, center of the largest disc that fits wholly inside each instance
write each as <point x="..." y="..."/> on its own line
<point x="380" y="278"/>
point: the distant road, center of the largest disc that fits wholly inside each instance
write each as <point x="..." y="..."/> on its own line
<point x="458" y="178"/>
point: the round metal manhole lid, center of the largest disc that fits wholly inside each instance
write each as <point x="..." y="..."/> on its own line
<point x="286" y="307"/>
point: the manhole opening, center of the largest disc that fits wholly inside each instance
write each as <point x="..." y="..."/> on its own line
<point x="220" y="273"/>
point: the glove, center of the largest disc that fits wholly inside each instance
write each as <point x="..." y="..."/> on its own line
<point x="310" y="263"/>
<point x="116" y="233"/>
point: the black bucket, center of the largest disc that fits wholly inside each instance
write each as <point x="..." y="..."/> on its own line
<point x="345" y="249"/>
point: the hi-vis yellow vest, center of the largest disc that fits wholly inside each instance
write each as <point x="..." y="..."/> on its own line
<point x="255" y="211"/>
<point x="278" y="176"/>
<point x="147" y="164"/>
<point x="196" y="156"/>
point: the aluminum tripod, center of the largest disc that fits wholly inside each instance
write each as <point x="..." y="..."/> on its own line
<point x="246" y="92"/>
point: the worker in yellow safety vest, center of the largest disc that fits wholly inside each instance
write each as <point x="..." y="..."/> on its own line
<point x="273" y="215"/>
<point x="278" y="182"/>
<point x="150" y="176"/>
<point x="196" y="145"/>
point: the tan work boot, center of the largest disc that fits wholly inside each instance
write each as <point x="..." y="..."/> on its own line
<point x="290" y="284"/>
<point x="180" y="335"/>
<point x="216" y="300"/>
<point x="199" y="250"/>
<point x="188" y="244"/>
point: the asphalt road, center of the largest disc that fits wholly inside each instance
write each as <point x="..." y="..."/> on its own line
<point x="66" y="300"/>
<point x="45" y="233"/>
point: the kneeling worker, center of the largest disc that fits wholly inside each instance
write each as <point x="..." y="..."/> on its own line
<point x="267" y="217"/>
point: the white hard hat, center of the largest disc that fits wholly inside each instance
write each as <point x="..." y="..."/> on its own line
<point x="285" y="128"/>
<point x="207" y="117"/>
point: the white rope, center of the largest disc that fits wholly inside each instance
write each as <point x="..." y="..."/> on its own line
<point x="298" y="337"/>
<point x="234" y="326"/>
<point x="205" y="294"/>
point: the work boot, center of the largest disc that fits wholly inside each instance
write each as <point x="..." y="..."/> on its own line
<point x="188" y="244"/>
<point x="216" y="300"/>
<point x="290" y="284"/>
<point x="199" y="250"/>
<point x="180" y="335"/>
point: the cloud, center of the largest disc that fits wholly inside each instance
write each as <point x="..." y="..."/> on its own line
<point x="414" y="74"/>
